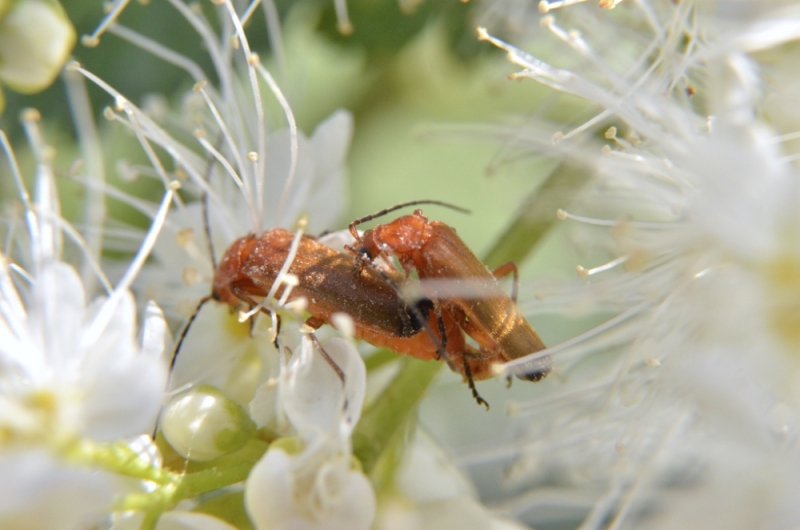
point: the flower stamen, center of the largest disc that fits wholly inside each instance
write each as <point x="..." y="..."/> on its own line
<point x="585" y="273"/>
<point x="91" y="41"/>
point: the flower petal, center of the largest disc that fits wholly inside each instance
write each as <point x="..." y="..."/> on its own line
<point x="330" y="143"/>
<point x="332" y="498"/>
<point x="36" y="491"/>
<point x="123" y="388"/>
<point x="155" y="338"/>
<point x="191" y="521"/>
<point x="315" y="398"/>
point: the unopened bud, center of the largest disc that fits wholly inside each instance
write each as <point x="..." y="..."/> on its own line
<point x="203" y="424"/>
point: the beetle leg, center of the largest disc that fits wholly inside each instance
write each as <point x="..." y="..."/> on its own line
<point x="362" y="259"/>
<point x="186" y="330"/>
<point x="452" y="342"/>
<point x="242" y="295"/>
<point x="471" y="383"/>
<point x="325" y="356"/>
<point x="503" y="271"/>
<point x="442" y="346"/>
<point x="316" y="323"/>
<point x="277" y="331"/>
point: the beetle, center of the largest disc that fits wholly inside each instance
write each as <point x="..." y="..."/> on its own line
<point x="339" y="282"/>
<point x="251" y="265"/>
<point x="326" y="281"/>
<point x="443" y="263"/>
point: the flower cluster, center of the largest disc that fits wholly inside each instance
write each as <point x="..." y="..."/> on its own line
<point x="673" y="401"/>
<point x="681" y="408"/>
<point x="81" y="395"/>
<point x="77" y="385"/>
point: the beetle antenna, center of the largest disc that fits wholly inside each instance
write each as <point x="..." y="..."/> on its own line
<point x="405" y="205"/>
<point x="207" y="228"/>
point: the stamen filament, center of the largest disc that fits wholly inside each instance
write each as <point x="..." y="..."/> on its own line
<point x="583" y="273"/>
<point x="90" y="41"/>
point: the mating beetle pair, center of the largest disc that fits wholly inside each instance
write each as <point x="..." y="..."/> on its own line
<point x="460" y="295"/>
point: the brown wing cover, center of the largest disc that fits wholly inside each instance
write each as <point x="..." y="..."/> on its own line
<point x="326" y="280"/>
<point x="488" y="315"/>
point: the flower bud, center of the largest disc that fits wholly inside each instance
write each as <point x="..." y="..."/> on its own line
<point x="36" y="38"/>
<point x="204" y="424"/>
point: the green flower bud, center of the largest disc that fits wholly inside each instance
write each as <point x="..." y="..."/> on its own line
<point x="204" y="424"/>
<point x="36" y="38"/>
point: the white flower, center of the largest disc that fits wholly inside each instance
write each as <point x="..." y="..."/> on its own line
<point x="431" y="493"/>
<point x="174" y="520"/>
<point x="311" y="482"/>
<point x="681" y="409"/>
<point x="40" y="490"/>
<point x="252" y="175"/>
<point x="72" y="373"/>
<point x="246" y="174"/>
<point x="83" y="361"/>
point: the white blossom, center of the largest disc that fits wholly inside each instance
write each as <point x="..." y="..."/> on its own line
<point x="430" y="492"/>
<point x="680" y="410"/>
<point x="72" y="373"/>
<point x="314" y="483"/>
<point x="246" y="174"/>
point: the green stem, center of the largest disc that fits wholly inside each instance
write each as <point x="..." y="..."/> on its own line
<point x="150" y="521"/>
<point x="384" y="419"/>
<point x="537" y="215"/>
<point x="225" y="471"/>
<point x="213" y="479"/>
<point x="378" y="359"/>
<point x="153" y="504"/>
<point x="119" y="458"/>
